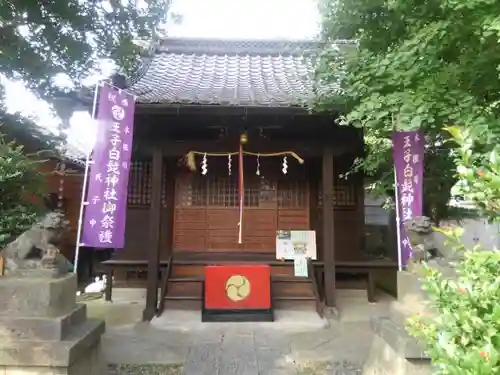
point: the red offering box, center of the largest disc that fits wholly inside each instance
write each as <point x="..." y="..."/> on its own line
<point x="238" y="287"/>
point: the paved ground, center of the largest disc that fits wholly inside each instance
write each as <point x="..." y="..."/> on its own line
<point x="338" y="345"/>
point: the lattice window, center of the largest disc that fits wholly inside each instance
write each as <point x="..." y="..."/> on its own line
<point x="218" y="189"/>
<point x="344" y="193"/>
<point x="140" y="184"/>
<point x="221" y="191"/>
<point x="292" y="194"/>
<point x="264" y="193"/>
<point x="191" y="191"/>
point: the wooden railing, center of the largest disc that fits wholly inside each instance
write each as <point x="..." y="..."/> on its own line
<point x="312" y="275"/>
<point x="164" y="286"/>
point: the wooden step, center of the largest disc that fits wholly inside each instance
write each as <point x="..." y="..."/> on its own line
<point x="294" y="298"/>
<point x="286" y="304"/>
<point x="295" y="304"/>
<point x="180" y="270"/>
<point x="183" y="298"/>
<point x="185" y="282"/>
<point x="292" y="279"/>
<point x="179" y="287"/>
<point x="299" y="289"/>
<point x="185" y="287"/>
<point x="187" y="270"/>
<point x="182" y="304"/>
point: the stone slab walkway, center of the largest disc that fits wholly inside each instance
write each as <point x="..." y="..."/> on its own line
<point x="338" y="347"/>
<point x="237" y="351"/>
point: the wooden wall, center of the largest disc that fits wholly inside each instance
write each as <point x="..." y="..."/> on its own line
<point x="206" y="213"/>
<point x="200" y="212"/>
<point x="348" y="211"/>
<point x="138" y="204"/>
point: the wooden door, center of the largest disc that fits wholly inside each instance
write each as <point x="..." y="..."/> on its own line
<point x="207" y="210"/>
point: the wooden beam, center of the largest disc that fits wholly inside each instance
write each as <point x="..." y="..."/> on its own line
<point x="154" y="235"/>
<point x="302" y="148"/>
<point x="328" y="225"/>
<point x="180" y="109"/>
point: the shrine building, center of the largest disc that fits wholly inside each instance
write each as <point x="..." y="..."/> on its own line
<point x="223" y="137"/>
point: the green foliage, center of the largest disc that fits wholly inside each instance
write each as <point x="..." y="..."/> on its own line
<point x="478" y="167"/>
<point x="462" y="335"/>
<point x="38" y="40"/>
<point x="44" y="40"/>
<point x="21" y="190"/>
<point x="413" y="65"/>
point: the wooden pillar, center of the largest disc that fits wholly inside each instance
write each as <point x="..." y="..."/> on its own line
<point x="153" y="252"/>
<point x="328" y="225"/>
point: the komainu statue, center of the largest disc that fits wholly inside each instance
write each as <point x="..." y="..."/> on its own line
<point x="35" y="252"/>
<point x="421" y="236"/>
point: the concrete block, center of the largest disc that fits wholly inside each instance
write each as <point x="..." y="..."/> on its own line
<point x="32" y="353"/>
<point x="43" y="331"/>
<point x="397" y="338"/>
<point x="384" y="360"/>
<point x="409" y="286"/>
<point x="37" y="297"/>
<point x="35" y="328"/>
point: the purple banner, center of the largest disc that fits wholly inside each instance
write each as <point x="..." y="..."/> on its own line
<point x="408" y="155"/>
<point x="106" y="203"/>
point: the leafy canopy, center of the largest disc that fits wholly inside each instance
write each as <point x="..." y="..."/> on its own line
<point x="414" y="65"/>
<point x="21" y="190"/>
<point x="41" y="42"/>
<point x="462" y="334"/>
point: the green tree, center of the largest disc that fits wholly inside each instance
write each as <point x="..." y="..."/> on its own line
<point x="42" y="42"/>
<point x="461" y="334"/>
<point x="21" y="190"/>
<point x="39" y="40"/>
<point x="413" y="65"/>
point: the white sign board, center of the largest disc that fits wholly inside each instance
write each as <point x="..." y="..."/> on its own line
<point x="300" y="267"/>
<point x="291" y="244"/>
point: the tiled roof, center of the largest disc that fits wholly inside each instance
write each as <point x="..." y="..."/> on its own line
<point x="74" y="154"/>
<point x="235" y="73"/>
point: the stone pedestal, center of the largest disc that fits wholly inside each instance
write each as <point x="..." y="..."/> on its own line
<point x="394" y="351"/>
<point x="44" y="331"/>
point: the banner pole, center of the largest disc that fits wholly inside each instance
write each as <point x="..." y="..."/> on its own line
<point x="84" y="190"/>
<point x="398" y="225"/>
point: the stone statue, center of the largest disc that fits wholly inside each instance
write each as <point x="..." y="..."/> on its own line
<point x="421" y="235"/>
<point x="35" y="252"/>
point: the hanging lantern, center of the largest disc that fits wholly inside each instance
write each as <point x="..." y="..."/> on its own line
<point x="204" y="166"/>
<point x="285" y="165"/>
<point x="257" y="172"/>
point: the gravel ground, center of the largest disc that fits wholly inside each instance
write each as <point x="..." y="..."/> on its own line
<point x="150" y="369"/>
<point x="331" y="368"/>
<point x="325" y="368"/>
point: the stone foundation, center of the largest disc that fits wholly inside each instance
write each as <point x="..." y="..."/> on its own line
<point x="394" y="351"/>
<point x="89" y="362"/>
<point x="384" y="360"/>
<point x="43" y="331"/>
